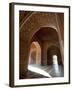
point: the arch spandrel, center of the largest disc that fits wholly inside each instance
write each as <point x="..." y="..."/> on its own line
<point x="36" y="21"/>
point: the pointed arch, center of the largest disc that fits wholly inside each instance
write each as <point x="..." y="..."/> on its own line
<point x="35" y="53"/>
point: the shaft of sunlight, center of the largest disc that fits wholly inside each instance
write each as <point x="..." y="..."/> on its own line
<point x="55" y="63"/>
<point x="38" y="70"/>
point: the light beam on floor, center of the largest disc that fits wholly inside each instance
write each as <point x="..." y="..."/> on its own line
<point x="39" y="71"/>
<point x="55" y="64"/>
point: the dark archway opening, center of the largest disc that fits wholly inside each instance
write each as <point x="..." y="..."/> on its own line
<point x="53" y="50"/>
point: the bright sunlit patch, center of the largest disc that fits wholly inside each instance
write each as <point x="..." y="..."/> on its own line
<point x="38" y="70"/>
<point x="55" y="64"/>
<point x="55" y="61"/>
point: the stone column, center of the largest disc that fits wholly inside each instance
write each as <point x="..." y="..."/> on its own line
<point x="44" y="54"/>
<point x="24" y="57"/>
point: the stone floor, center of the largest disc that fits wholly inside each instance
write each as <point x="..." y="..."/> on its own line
<point x="52" y="70"/>
<point x="40" y="71"/>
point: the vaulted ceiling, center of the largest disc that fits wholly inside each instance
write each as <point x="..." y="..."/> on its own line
<point x="47" y="34"/>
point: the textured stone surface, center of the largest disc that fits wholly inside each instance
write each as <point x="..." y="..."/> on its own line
<point x="29" y="32"/>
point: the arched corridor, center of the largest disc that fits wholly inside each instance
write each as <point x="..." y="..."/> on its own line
<point x="53" y="50"/>
<point x="41" y="50"/>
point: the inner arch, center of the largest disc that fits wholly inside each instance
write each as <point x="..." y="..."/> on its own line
<point x="35" y="53"/>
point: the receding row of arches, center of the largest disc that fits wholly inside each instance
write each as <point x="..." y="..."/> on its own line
<point x="35" y="54"/>
<point x="41" y="39"/>
<point x="51" y="36"/>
